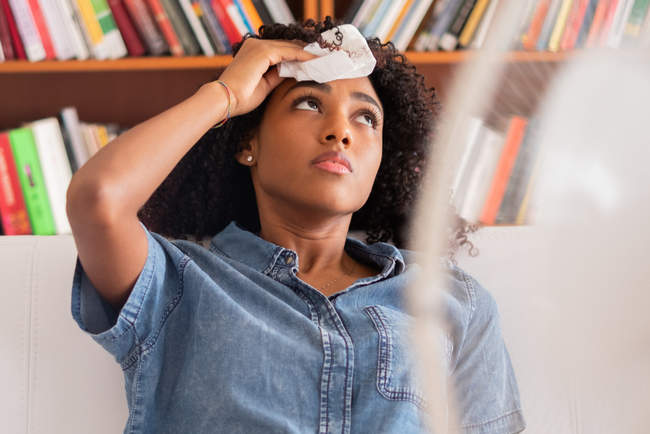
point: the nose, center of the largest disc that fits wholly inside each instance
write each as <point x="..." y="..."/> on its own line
<point x="337" y="130"/>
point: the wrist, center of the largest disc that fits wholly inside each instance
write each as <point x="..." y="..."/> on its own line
<point x="218" y="99"/>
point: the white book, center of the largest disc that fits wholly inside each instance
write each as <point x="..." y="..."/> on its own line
<point x="623" y="10"/>
<point x="116" y="44"/>
<point x="465" y="137"/>
<point x="99" y="48"/>
<point x="236" y="18"/>
<point x="71" y="124"/>
<point x="275" y="10"/>
<point x="362" y="14"/>
<point x="199" y="32"/>
<point x="56" y="169"/>
<point x="56" y="27"/>
<point x="27" y="30"/>
<point x="286" y="11"/>
<point x="390" y="17"/>
<point x="491" y="144"/>
<point x="89" y="138"/>
<point x="484" y="26"/>
<point x="410" y="26"/>
<point x="73" y="30"/>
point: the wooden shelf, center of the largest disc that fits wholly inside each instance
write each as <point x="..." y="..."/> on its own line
<point x="166" y="63"/>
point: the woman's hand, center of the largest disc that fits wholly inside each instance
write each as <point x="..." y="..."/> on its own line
<point x="247" y="76"/>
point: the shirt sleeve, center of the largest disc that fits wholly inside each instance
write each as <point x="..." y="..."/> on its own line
<point x="483" y="380"/>
<point x="155" y="294"/>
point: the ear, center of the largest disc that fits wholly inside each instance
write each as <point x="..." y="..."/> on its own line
<point x="248" y="154"/>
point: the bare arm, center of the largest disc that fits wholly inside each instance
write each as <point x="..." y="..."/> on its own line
<point x="107" y="192"/>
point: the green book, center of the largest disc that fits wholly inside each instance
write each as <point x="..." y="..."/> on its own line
<point x="31" y="181"/>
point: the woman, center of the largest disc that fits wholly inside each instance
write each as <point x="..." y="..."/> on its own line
<point x="283" y="325"/>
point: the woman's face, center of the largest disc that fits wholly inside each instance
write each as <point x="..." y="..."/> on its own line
<point x="318" y="147"/>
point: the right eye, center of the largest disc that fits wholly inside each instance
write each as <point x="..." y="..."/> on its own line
<point x="307" y="105"/>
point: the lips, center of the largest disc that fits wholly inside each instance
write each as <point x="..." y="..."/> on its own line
<point x="333" y="161"/>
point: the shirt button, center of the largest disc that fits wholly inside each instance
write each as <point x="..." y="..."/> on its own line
<point x="288" y="260"/>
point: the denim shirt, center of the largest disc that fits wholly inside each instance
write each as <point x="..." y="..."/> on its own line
<point x="230" y="340"/>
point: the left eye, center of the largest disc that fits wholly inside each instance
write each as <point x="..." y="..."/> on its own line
<point x="366" y="119"/>
<point x="307" y="105"/>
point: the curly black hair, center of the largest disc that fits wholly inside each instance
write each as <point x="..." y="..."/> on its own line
<point x="208" y="188"/>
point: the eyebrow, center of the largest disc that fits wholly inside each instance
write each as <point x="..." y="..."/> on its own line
<point x="326" y="88"/>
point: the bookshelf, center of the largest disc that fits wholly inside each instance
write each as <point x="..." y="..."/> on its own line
<point x="131" y="90"/>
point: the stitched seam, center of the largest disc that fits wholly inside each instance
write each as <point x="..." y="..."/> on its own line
<point x="472" y="294"/>
<point x="491" y="420"/>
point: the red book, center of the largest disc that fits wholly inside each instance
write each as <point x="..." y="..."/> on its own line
<point x="5" y="37"/>
<point x="224" y="19"/>
<point x="609" y="21"/>
<point x="574" y="24"/>
<point x="507" y="160"/>
<point x="598" y="23"/>
<point x="42" y="29"/>
<point x="13" y="30"/>
<point x="129" y="35"/>
<point x="13" y="212"/>
<point x="536" y="24"/>
<point x="146" y="26"/>
<point x="166" y="27"/>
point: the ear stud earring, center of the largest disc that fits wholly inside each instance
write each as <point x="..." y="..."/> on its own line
<point x="249" y="158"/>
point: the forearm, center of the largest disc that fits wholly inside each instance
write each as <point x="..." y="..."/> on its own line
<point x="128" y="170"/>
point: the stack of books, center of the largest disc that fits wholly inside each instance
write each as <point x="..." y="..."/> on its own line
<point x="546" y="25"/>
<point x="495" y="179"/>
<point x="37" y="162"/>
<point x="110" y="29"/>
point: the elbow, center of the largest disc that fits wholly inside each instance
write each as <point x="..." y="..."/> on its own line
<point x="91" y="202"/>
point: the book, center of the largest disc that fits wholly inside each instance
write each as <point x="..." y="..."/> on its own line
<point x="526" y="18"/>
<point x="109" y="28"/>
<point x="549" y="24"/>
<point x="423" y="33"/>
<point x="181" y="27"/>
<point x="586" y="24"/>
<point x="195" y="25"/>
<point x="472" y="23"/>
<point x="42" y="29"/>
<point x="560" y="24"/>
<point x="385" y="19"/>
<point x="56" y="169"/>
<point x="91" y="138"/>
<point x="56" y="25"/>
<point x="573" y="25"/>
<point x="521" y="174"/>
<point x="245" y="17"/>
<point x="256" y="19"/>
<point x="5" y="37"/>
<point x="2" y="54"/>
<point x="73" y="29"/>
<point x="607" y="23"/>
<point x="365" y="10"/>
<point x="449" y="40"/>
<point x="417" y="14"/>
<point x="644" y="41"/>
<point x="406" y="10"/>
<point x="226" y="22"/>
<point x="489" y="148"/>
<point x="265" y="16"/>
<point x="634" y="26"/>
<point x="279" y="11"/>
<point x="530" y="37"/>
<point x="146" y="27"/>
<point x="29" y="36"/>
<point x="466" y="136"/>
<point x="504" y="168"/>
<point x="597" y="23"/>
<point x="13" y="211"/>
<point x="216" y="44"/>
<point x="619" y="23"/>
<point x="219" y="36"/>
<point x="92" y="30"/>
<point x="31" y="181"/>
<point x="17" y="44"/>
<point x="165" y="25"/>
<point x="71" y="127"/>
<point x="483" y="28"/>
<point x="134" y="45"/>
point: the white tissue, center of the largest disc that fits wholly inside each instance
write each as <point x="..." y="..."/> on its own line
<point x="352" y="59"/>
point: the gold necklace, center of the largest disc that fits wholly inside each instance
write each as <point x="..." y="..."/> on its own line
<point x="339" y="278"/>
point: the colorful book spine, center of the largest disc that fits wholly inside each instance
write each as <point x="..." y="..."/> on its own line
<point x="417" y="14"/>
<point x="243" y="13"/>
<point x="608" y="22"/>
<point x="93" y="30"/>
<point x="586" y="24"/>
<point x="502" y="174"/>
<point x="549" y="24"/>
<point x="560" y="25"/>
<point x="389" y="18"/>
<point x="134" y="45"/>
<point x="261" y="9"/>
<point x="42" y="29"/>
<point x="218" y="34"/>
<point x="73" y="29"/>
<point x="226" y="23"/>
<point x="181" y="27"/>
<point x="443" y="22"/>
<point x="482" y="31"/>
<point x="29" y="35"/>
<point x="634" y="24"/>
<point x="13" y="211"/>
<point x="56" y="26"/>
<point x="195" y="25"/>
<point x="165" y="25"/>
<point x="449" y="40"/>
<point x="109" y="28"/>
<point x="146" y="26"/>
<point x="31" y="181"/>
<point x="472" y="23"/>
<point x="619" y="23"/>
<point x="598" y="22"/>
<point x="530" y="37"/>
<point x="13" y="30"/>
<point x="574" y="23"/>
<point x="401" y="18"/>
<point x="253" y="14"/>
<point x="57" y="172"/>
<point x="72" y="130"/>
<point x="5" y="37"/>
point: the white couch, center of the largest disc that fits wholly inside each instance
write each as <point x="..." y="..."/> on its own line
<point x="55" y="379"/>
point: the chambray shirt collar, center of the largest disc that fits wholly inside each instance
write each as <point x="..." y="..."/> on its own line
<point x="249" y="249"/>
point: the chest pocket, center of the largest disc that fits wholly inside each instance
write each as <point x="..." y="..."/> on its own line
<point x="398" y="367"/>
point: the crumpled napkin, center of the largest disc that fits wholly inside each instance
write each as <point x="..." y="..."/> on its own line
<point x="353" y="58"/>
